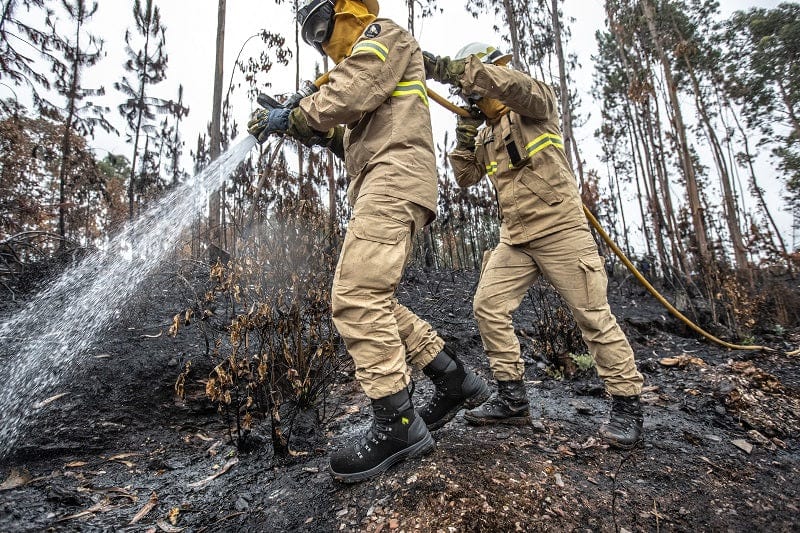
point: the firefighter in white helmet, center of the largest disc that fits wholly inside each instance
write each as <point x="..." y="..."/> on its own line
<point x="377" y="89"/>
<point x="543" y="231"/>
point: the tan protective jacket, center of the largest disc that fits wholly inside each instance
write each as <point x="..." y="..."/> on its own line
<point x="522" y="152"/>
<point x="379" y="92"/>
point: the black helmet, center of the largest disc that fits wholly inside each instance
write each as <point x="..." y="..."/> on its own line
<point x="316" y="22"/>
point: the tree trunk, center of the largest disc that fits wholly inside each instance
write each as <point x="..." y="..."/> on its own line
<point x="214" y="207"/>
<point x="566" y="108"/>
<point x="66" y="140"/>
<point x="513" y="30"/>
<point x="693" y="193"/>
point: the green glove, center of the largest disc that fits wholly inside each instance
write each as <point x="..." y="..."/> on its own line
<point x="467" y="130"/>
<point x="300" y="130"/>
<point x="443" y="69"/>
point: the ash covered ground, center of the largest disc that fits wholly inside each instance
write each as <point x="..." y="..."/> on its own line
<point x="117" y="451"/>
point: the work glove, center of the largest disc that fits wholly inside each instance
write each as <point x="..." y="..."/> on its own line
<point x="267" y="121"/>
<point x="333" y="139"/>
<point x="443" y="69"/>
<point x="307" y="88"/>
<point x="467" y="129"/>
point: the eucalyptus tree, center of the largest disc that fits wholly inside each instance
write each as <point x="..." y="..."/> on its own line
<point x="764" y="73"/>
<point x="681" y="139"/>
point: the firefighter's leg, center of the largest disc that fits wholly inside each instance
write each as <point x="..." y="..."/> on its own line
<point x="508" y="272"/>
<point x="571" y="262"/>
<point x="506" y="275"/>
<point x="370" y="266"/>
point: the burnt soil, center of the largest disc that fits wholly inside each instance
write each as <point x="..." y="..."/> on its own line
<point x="721" y="450"/>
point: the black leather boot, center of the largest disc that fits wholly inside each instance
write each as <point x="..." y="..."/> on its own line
<point x="457" y="388"/>
<point x="624" y="429"/>
<point x="509" y="405"/>
<point x="396" y="433"/>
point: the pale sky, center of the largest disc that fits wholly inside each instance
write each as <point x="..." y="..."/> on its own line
<point x="190" y="38"/>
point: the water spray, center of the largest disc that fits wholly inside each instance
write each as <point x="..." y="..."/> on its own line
<point x="44" y="343"/>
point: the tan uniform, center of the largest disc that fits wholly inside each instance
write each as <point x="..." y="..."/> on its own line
<point x="543" y="229"/>
<point x="379" y="92"/>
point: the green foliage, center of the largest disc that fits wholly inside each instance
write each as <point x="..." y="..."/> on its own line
<point x="764" y="74"/>
<point x="583" y="361"/>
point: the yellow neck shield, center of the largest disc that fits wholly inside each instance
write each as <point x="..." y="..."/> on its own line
<point x="351" y="19"/>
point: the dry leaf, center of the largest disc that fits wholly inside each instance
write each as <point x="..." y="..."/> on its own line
<point x="174" y="513"/>
<point x="743" y="445"/>
<point x="123" y="456"/>
<point x="682" y="361"/>
<point x="99" y="507"/>
<point x="203" y="482"/>
<point x="16" y="478"/>
<point x="75" y="464"/>
<point x="146" y="509"/>
<point x="294" y="453"/>
<point x="166" y="528"/>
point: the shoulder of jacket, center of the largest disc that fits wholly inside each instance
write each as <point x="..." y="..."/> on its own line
<point x="384" y="30"/>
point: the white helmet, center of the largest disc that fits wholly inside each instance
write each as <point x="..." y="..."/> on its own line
<point x="485" y="52"/>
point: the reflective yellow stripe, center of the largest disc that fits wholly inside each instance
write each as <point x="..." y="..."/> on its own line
<point x="373" y="47"/>
<point x="491" y="168"/>
<point x="411" y="88"/>
<point x="543" y="141"/>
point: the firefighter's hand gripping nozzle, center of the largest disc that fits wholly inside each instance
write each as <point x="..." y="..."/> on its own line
<point x="273" y="117"/>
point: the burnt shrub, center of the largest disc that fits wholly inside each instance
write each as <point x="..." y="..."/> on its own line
<point x="266" y="317"/>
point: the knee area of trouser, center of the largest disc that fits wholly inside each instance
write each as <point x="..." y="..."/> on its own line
<point x="597" y="324"/>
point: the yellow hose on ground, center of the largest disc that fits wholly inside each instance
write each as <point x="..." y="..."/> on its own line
<point x="652" y="290"/>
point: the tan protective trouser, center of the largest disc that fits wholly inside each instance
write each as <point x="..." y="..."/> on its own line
<point x="570" y="261"/>
<point x="379" y="332"/>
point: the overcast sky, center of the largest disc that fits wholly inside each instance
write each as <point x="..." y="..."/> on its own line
<point x="190" y="38"/>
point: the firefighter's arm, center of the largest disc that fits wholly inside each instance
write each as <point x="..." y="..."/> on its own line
<point x="299" y="128"/>
<point x="465" y="167"/>
<point x="466" y="158"/>
<point x="523" y="94"/>
<point x="360" y="83"/>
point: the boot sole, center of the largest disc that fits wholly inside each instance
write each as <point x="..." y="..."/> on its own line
<point x="510" y="421"/>
<point x="419" y="448"/>
<point x="469" y="403"/>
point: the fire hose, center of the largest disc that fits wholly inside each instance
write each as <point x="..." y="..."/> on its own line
<point x="447" y="104"/>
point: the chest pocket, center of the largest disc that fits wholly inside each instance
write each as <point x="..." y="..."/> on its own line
<point x="540" y="187"/>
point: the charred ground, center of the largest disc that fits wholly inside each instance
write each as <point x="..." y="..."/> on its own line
<point x="721" y="450"/>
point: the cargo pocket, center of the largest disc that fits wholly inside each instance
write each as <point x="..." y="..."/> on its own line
<point x="595" y="280"/>
<point x="539" y="186"/>
<point x="374" y="252"/>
